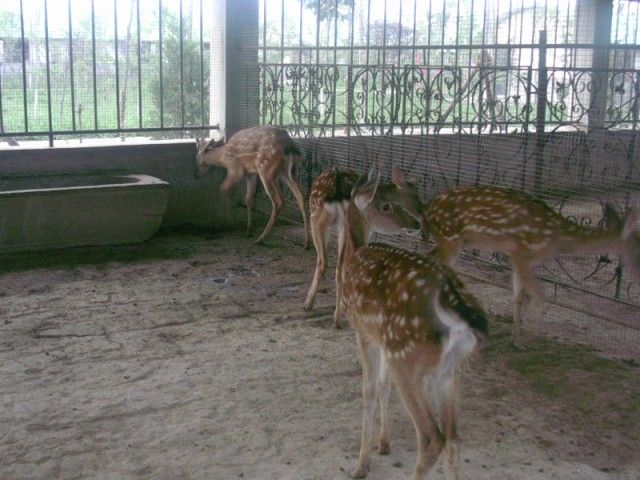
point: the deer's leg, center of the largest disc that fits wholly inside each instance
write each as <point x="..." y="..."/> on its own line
<point x="384" y="390"/>
<point x="449" y="417"/>
<point x="447" y="251"/>
<point x="337" y="314"/>
<point x="320" y="223"/>
<point x="252" y="181"/>
<point x="429" y="437"/>
<point x="231" y="180"/>
<point x="293" y="186"/>
<point x="524" y="282"/>
<point x="273" y="191"/>
<point x="367" y="353"/>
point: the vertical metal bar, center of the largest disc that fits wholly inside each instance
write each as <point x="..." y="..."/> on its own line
<point x="525" y="128"/>
<point x="300" y="34"/>
<point x="139" y="65"/>
<point x="264" y="31"/>
<point x="48" y="61"/>
<point x="201" y="67"/>
<point x="160" y="69"/>
<point x="427" y="61"/>
<point x="470" y="60"/>
<point x="444" y="24"/>
<point x="2" y="126"/>
<point x="335" y="67"/>
<point x="508" y="69"/>
<point x="481" y="70"/>
<point x="541" y="112"/>
<point x="351" y="31"/>
<point x="384" y="36"/>
<point x="318" y="31"/>
<point x="95" y="76"/>
<point x="413" y="61"/>
<point x="181" y="26"/>
<point x="400" y="37"/>
<point x="73" y="96"/>
<point x="281" y="120"/>
<point x="335" y="33"/>
<point x="520" y="48"/>
<point x="635" y="33"/>
<point x="616" y="39"/>
<point x="368" y="43"/>
<point x="555" y="34"/>
<point x="459" y="69"/>
<point x="366" y="93"/>
<point x="117" y="62"/>
<point x="24" y="70"/>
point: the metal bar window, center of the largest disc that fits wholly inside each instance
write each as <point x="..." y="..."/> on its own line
<point x="68" y="73"/>
<point x="476" y="72"/>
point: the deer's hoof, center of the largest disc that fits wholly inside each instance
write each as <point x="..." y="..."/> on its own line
<point x="384" y="448"/>
<point x="308" y="306"/>
<point x="360" y="472"/>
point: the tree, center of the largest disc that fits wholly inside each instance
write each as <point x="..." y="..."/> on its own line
<point x="328" y="8"/>
<point x="174" y="103"/>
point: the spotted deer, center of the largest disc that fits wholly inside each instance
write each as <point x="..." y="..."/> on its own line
<point x="267" y="152"/>
<point x="328" y="200"/>
<point x="415" y="322"/>
<point x="524" y="228"/>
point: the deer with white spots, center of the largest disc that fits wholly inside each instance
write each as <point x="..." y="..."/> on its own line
<point x="415" y="322"/>
<point x="328" y="200"/>
<point x="267" y="152"/>
<point x="524" y="228"/>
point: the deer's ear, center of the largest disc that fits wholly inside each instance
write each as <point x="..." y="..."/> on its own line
<point x="372" y="172"/>
<point x="365" y="194"/>
<point x="397" y="176"/>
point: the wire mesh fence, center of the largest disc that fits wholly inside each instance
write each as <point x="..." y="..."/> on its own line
<point x="540" y="96"/>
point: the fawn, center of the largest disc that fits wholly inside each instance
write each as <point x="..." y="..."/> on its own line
<point x="267" y="152"/>
<point x="328" y="200"/>
<point x="524" y="228"/>
<point x="416" y="317"/>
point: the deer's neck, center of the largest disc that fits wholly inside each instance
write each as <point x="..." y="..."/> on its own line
<point x="357" y="231"/>
<point x="216" y="157"/>
<point x="584" y="239"/>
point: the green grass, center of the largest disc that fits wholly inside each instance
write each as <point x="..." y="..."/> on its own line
<point x="576" y="376"/>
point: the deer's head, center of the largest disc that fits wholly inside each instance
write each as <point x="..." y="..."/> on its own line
<point x="203" y="157"/>
<point x="406" y="194"/>
<point x="382" y="206"/>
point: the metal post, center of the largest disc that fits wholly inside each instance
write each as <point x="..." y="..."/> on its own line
<point x="217" y="66"/>
<point x="600" y="64"/>
<point x="541" y="111"/>
<point x="242" y="74"/>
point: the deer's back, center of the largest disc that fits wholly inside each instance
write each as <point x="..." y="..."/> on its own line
<point x="332" y="186"/>
<point x="266" y="144"/>
<point x="389" y="293"/>
<point x="493" y="217"/>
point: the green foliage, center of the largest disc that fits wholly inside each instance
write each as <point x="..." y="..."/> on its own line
<point x="329" y="8"/>
<point x="192" y="84"/>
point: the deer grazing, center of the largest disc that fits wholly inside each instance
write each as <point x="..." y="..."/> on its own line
<point x="413" y="320"/>
<point x="328" y="200"/>
<point x="524" y="228"/>
<point x="267" y="152"/>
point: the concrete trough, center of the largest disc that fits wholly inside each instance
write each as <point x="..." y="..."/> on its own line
<point x="56" y="211"/>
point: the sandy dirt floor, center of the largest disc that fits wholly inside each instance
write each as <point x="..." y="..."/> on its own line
<point x="189" y="357"/>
